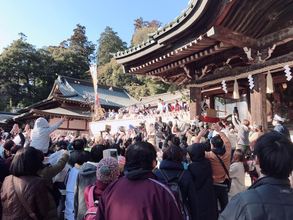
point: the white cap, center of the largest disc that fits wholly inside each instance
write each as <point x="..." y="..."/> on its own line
<point x="278" y="118"/>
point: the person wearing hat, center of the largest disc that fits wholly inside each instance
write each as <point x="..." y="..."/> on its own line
<point x="107" y="171"/>
<point x="279" y="127"/>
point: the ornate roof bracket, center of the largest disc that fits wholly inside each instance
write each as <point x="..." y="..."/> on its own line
<point x="231" y="38"/>
<point x="257" y="56"/>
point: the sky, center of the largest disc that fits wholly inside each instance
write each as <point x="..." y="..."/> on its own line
<point x="49" y="22"/>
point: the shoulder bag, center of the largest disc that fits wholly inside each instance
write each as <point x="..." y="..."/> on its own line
<point x="21" y="199"/>
<point x="228" y="180"/>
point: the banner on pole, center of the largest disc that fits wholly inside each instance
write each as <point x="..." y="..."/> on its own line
<point x="98" y="109"/>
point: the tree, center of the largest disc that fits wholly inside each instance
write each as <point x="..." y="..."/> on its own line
<point x="140" y="23"/>
<point x="79" y="43"/>
<point x="142" y="35"/>
<point x="109" y="42"/>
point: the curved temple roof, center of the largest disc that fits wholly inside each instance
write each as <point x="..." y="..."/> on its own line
<point x="209" y="33"/>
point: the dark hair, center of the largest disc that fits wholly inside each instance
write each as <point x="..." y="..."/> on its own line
<point x="128" y="142"/>
<point x="15" y="148"/>
<point x="78" y="144"/>
<point x="85" y="141"/>
<point x="217" y="142"/>
<point x="239" y="156"/>
<point x="117" y="147"/>
<point x="275" y="154"/>
<point x="97" y="153"/>
<point x="25" y="162"/>
<point x="221" y="124"/>
<point x="175" y="140"/>
<point x="83" y="157"/>
<point x="160" y="145"/>
<point x="140" y="156"/>
<point x="8" y="145"/>
<point x="62" y="145"/>
<point x="173" y="153"/>
<point x="137" y="138"/>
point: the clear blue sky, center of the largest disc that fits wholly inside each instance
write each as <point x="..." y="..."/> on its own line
<point x="48" y="22"/>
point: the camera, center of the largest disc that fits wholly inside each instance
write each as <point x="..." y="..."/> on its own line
<point x="110" y="153"/>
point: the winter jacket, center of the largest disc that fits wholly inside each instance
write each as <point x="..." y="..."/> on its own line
<point x="172" y="168"/>
<point x="40" y="134"/>
<point x="85" y="177"/>
<point x="237" y="175"/>
<point x="282" y="129"/>
<point x="268" y="198"/>
<point x="138" y="196"/>
<point x="69" y="202"/>
<point x="219" y="174"/>
<point x="201" y="172"/>
<point x="99" y="189"/>
<point x="34" y="192"/>
<point x="48" y="172"/>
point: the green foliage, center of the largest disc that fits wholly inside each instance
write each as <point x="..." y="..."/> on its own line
<point x="109" y="42"/>
<point x="79" y="43"/>
<point x="142" y="35"/>
<point x="140" y="23"/>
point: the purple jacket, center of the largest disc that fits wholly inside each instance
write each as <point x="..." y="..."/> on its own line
<point x="139" y="198"/>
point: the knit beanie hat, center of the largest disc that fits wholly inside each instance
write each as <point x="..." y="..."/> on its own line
<point x="108" y="170"/>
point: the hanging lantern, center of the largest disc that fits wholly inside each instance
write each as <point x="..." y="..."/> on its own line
<point x="236" y="90"/>
<point x="270" y="86"/>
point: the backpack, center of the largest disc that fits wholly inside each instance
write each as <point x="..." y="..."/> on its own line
<point x="173" y="184"/>
<point x="93" y="205"/>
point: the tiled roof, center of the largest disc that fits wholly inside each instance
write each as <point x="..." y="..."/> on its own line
<point x="152" y="37"/>
<point x="83" y="91"/>
<point x="6" y="115"/>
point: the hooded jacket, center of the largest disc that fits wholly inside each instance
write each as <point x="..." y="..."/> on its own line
<point x="40" y="134"/>
<point x="138" y="196"/>
<point x="268" y="198"/>
<point x="86" y="176"/>
<point x="172" y="168"/>
<point x="201" y="172"/>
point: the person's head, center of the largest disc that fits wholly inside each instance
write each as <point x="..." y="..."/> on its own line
<point x="217" y="142"/>
<point x="85" y="141"/>
<point x="160" y="119"/>
<point x="239" y="156"/>
<point x="108" y="170"/>
<point x="245" y="122"/>
<point x="78" y="144"/>
<point x="141" y="155"/>
<point x="25" y="162"/>
<point x="274" y="153"/>
<point x="62" y="145"/>
<point x="258" y="128"/>
<point x="83" y="157"/>
<point x="8" y="145"/>
<point x="278" y="120"/>
<point x="175" y="140"/>
<point x="15" y="148"/>
<point x="196" y="151"/>
<point x="97" y="153"/>
<point x="173" y="153"/>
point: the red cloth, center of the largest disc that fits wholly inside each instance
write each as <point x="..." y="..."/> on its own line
<point x="142" y="198"/>
<point x="100" y="187"/>
<point x="209" y="119"/>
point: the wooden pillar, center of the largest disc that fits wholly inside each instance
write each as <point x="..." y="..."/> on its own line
<point x="258" y="106"/>
<point x="195" y="102"/>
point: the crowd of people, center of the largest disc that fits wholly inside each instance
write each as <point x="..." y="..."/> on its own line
<point x="134" y="111"/>
<point x="163" y="170"/>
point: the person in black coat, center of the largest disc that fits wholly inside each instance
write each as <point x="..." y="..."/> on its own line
<point x="172" y="165"/>
<point x="201" y="173"/>
<point x="270" y="197"/>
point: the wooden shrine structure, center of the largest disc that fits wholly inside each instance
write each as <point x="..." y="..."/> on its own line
<point x="216" y="40"/>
